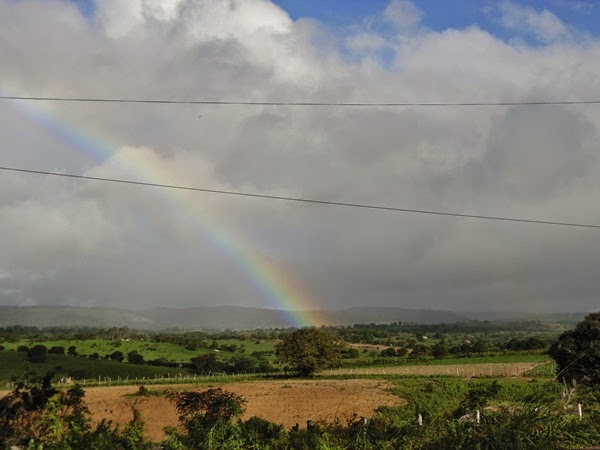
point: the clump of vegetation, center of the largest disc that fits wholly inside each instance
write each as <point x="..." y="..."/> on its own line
<point x="577" y="352"/>
<point x="308" y="350"/>
<point x="142" y="391"/>
<point x="514" y="414"/>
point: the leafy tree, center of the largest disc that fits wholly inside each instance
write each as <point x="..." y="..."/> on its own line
<point x="37" y="353"/>
<point x="57" y="350"/>
<point x="206" y="363"/>
<point x="440" y="350"/>
<point x="243" y="364"/>
<point x="419" y="351"/>
<point x="117" y="355"/>
<point x="390" y="351"/>
<point x="35" y="410"/>
<point x="308" y="350"/>
<point x="480" y="347"/>
<point x="206" y="417"/>
<point x="135" y="357"/>
<point x="577" y="352"/>
<point x="213" y="404"/>
<point x="72" y="351"/>
<point x="401" y="351"/>
<point x="350" y="353"/>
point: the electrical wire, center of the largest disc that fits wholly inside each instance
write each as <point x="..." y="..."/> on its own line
<point x="303" y="200"/>
<point x="285" y="103"/>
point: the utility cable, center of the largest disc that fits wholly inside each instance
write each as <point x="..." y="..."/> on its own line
<point x="284" y="103"/>
<point x="303" y="200"/>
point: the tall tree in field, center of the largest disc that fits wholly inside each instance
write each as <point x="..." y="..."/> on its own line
<point x="309" y="350"/>
<point x="577" y="352"/>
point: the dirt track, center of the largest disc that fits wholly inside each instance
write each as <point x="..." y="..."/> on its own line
<point x="285" y="402"/>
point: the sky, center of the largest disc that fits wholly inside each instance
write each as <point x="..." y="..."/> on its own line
<point x="92" y="243"/>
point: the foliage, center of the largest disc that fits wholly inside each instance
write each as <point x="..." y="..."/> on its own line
<point x="440" y="350"/>
<point x="309" y="350"/>
<point x="577" y="352"/>
<point x="117" y="356"/>
<point x="82" y="368"/>
<point x="207" y="418"/>
<point x="213" y="404"/>
<point x="133" y="433"/>
<point x="37" y="354"/>
<point x="37" y="411"/>
<point x="134" y="357"/>
<point x="522" y="415"/>
<point x="206" y="363"/>
<point x="56" y="350"/>
<point x="478" y="396"/>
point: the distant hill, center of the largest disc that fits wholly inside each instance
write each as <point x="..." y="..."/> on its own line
<point x="73" y="316"/>
<point x="572" y="317"/>
<point x="208" y="317"/>
<point x="242" y="318"/>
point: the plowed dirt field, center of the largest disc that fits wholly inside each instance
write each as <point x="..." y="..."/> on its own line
<point x="285" y="402"/>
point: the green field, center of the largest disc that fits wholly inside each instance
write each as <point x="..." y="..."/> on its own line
<point x="150" y="350"/>
<point x="13" y="363"/>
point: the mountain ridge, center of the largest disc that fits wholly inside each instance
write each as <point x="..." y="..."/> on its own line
<point x="209" y="317"/>
<point x="239" y="317"/>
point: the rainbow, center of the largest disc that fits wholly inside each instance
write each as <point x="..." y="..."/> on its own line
<point x="275" y="285"/>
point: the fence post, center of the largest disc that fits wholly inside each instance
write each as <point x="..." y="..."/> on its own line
<point x="477" y="416"/>
<point x="579" y="411"/>
<point x="420" y="420"/>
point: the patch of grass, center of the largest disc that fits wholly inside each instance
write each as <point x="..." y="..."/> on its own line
<point x="499" y="359"/>
<point x="143" y="391"/>
<point x="435" y="395"/>
<point x="64" y="366"/>
<point x="148" y="349"/>
<point x="547" y="370"/>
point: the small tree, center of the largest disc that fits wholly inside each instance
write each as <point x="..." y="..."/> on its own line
<point x="35" y="411"/>
<point x="308" y="350"/>
<point x="117" y="356"/>
<point x="213" y="404"/>
<point x="206" y="363"/>
<point x="37" y="354"/>
<point x="577" y="352"/>
<point x="440" y="350"/>
<point x="135" y="357"/>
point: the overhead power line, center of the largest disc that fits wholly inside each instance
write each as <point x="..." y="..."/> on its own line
<point x="285" y="103"/>
<point x="303" y="200"/>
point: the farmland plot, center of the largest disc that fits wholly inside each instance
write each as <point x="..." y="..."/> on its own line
<point x="460" y="370"/>
<point x="285" y="402"/>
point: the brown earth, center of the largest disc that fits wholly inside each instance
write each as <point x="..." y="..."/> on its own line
<point x="285" y="402"/>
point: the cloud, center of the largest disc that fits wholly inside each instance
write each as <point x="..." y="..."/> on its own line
<point x="581" y="7"/>
<point x="365" y="42"/>
<point x="543" y="25"/>
<point x="105" y="244"/>
<point x="403" y="14"/>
